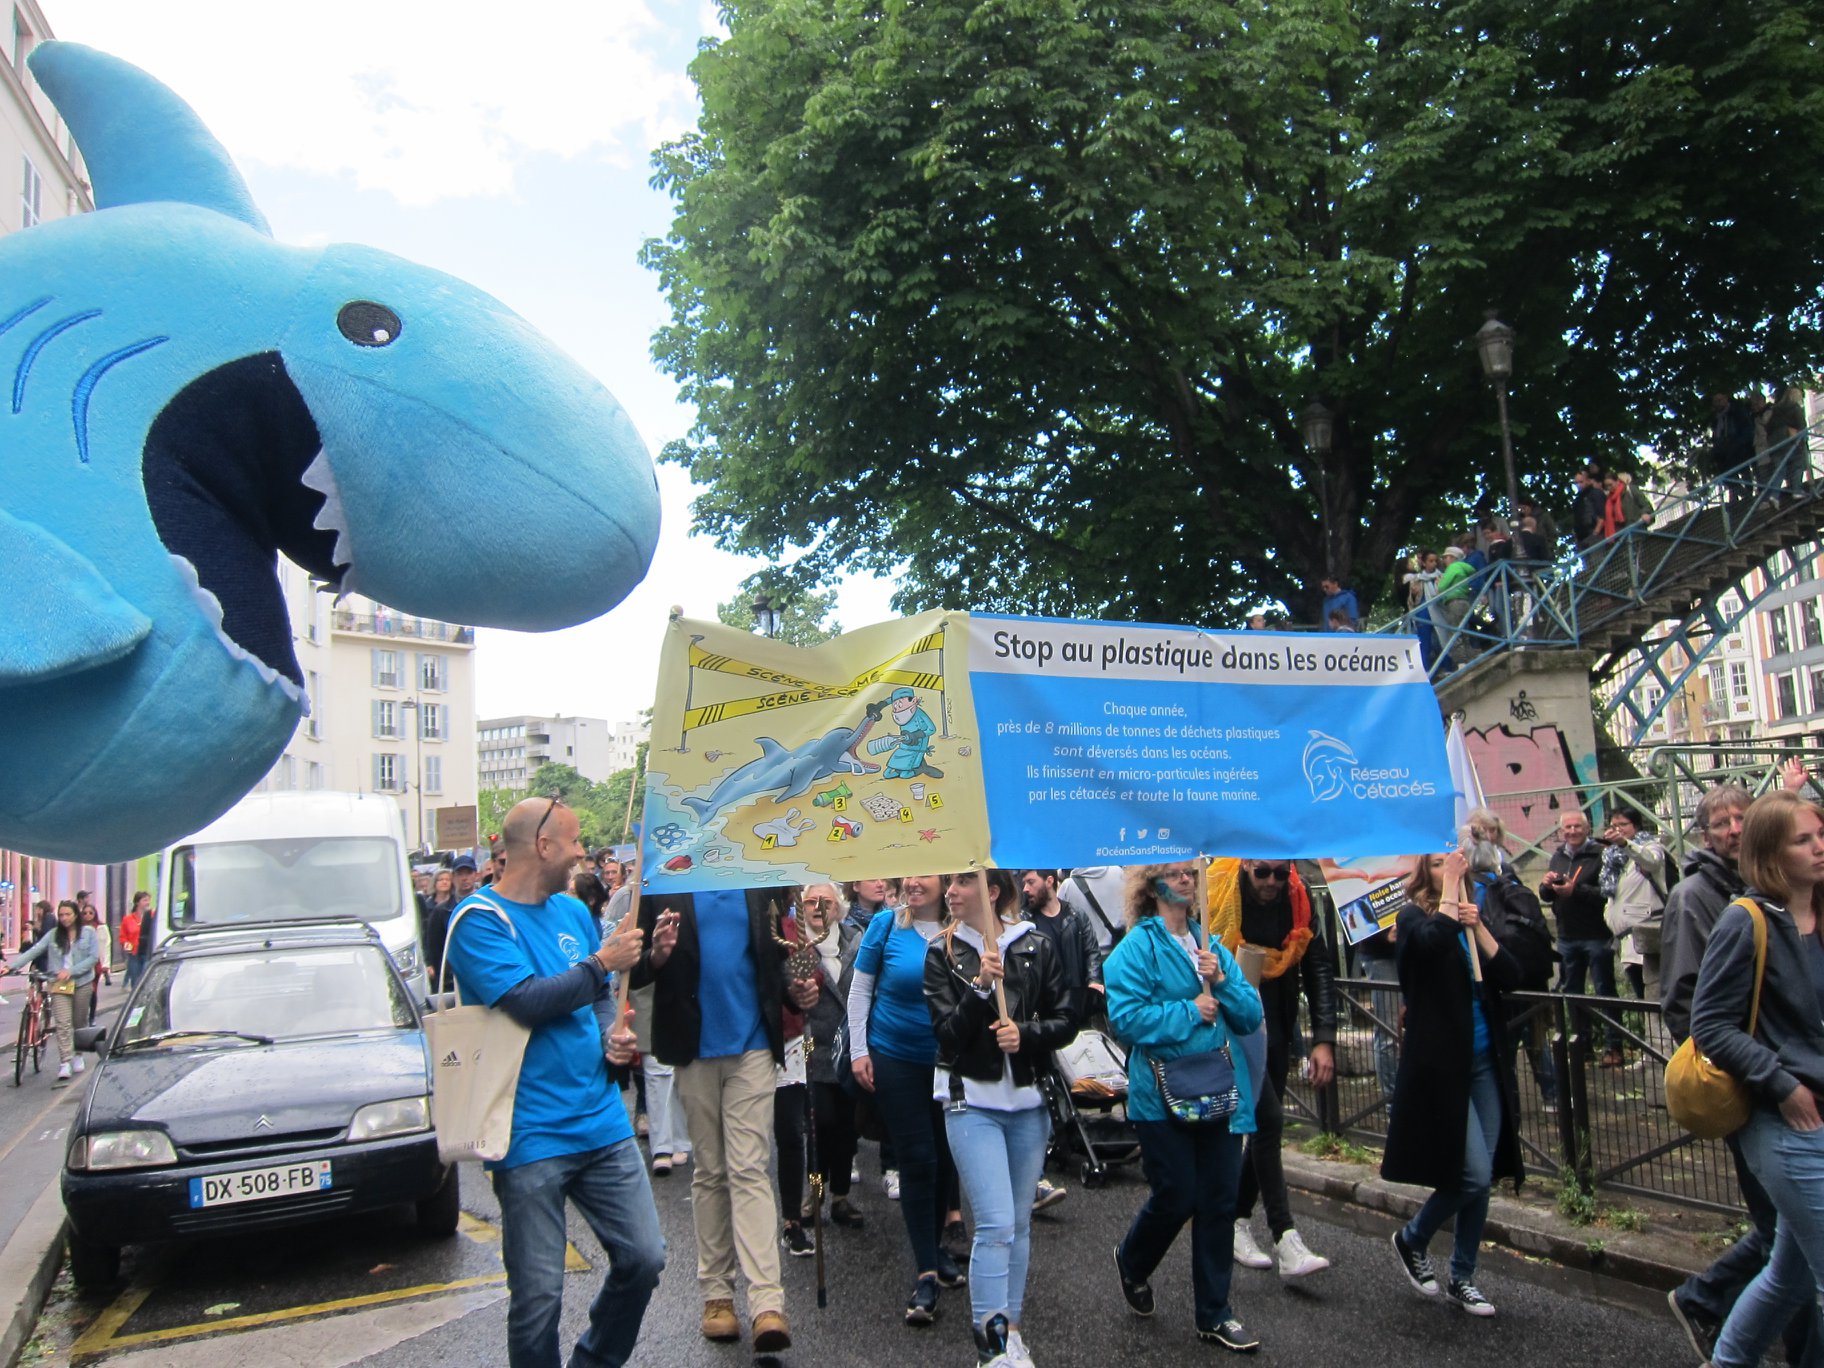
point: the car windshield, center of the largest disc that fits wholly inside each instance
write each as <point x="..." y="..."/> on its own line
<point x="325" y="876"/>
<point x="276" y="993"/>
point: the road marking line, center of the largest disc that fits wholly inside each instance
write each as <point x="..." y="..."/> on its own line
<point x="97" y="1337"/>
<point x="91" y="1344"/>
<point x="103" y="1337"/>
<point x="57" y="1100"/>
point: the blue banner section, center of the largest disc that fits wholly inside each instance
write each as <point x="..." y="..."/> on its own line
<point x="1108" y="744"/>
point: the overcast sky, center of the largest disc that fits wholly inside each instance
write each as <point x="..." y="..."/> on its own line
<point x="507" y="146"/>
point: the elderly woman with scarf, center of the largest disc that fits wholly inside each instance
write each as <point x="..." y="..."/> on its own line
<point x="1265" y="905"/>
<point x="1175" y="994"/>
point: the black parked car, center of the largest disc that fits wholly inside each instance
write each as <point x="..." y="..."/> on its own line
<point x="260" y="1075"/>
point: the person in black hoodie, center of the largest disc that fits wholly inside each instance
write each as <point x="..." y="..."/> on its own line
<point x="989" y="1067"/>
<point x="1781" y="1062"/>
<point x="723" y="1032"/>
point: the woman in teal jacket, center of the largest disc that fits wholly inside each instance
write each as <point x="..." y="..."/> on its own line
<point x="1172" y="994"/>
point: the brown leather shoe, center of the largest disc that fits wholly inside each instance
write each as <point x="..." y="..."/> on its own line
<point x="719" y="1321"/>
<point x="771" y="1334"/>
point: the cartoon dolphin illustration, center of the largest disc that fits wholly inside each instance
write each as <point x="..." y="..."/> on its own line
<point x="788" y="773"/>
<point x="181" y="399"/>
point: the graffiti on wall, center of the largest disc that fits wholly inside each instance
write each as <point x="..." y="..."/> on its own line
<point x="1535" y="763"/>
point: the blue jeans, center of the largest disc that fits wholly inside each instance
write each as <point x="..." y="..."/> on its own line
<point x="1790" y="1165"/>
<point x="999" y="1156"/>
<point x="1596" y="958"/>
<point x="902" y="1093"/>
<point x="611" y="1190"/>
<point x="1468" y="1201"/>
<point x="1386" y="1006"/>
<point x="1194" y="1173"/>
<point x="1716" y="1290"/>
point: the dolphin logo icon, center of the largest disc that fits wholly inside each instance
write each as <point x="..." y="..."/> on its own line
<point x="1327" y="762"/>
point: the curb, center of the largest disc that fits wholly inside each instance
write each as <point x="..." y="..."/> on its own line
<point x="1656" y="1261"/>
<point x="28" y="1264"/>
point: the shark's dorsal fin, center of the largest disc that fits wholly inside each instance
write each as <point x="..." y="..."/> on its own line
<point x="61" y="614"/>
<point x="142" y="144"/>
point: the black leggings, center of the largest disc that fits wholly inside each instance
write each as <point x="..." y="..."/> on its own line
<point x="835" y="1136"/>
<point x="1263" y="1173"/>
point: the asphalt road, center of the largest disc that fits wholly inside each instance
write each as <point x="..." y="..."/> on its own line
<point x="377" y="1293"/>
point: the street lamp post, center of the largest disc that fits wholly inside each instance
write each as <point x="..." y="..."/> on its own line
<point x="1318" y="425"/>
<point x="413" y="706"/>
<point x="1495" y="346"/>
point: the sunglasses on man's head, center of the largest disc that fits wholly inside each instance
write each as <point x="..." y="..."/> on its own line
<point x="1272" y="873"/>
<point x="539" y="830"/>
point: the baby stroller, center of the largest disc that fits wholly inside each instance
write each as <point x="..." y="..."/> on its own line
<point x="1086" y="1084"/>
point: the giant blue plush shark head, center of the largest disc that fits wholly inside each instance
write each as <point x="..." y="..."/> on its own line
<point x="182" y="398"/>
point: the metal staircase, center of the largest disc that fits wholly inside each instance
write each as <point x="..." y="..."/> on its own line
<point x="1701" y="545"/>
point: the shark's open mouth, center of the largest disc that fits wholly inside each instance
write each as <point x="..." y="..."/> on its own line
<point x="224" y="469"/>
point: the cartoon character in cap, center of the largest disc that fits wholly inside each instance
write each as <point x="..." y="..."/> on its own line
<point x="914" y="741"/>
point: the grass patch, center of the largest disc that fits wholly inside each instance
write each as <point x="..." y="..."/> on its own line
<point x="1579" y="1205"/>
<point x="1327" y="1146"/>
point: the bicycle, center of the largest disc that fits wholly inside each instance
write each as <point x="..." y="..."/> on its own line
<point x="34" y="1027"/>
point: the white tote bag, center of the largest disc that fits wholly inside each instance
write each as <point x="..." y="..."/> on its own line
<point x="477" y="1053"/>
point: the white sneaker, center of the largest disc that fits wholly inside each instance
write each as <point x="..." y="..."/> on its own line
<point x="1017" y="1354"/>
<point x="1247" y="1253"/>
<point x="80" y="1066"/>
<point x="63" y="1070"/>
<point x="1296" y="1261"/>
<point x="890" y="1181"/>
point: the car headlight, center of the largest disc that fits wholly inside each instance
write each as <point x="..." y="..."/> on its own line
<point x="122" y="1150"/>
<point x="402" y="1116"/>
<point x="406" y="960"/>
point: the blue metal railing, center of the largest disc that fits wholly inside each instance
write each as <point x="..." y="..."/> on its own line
<point x="1690" y="549"/>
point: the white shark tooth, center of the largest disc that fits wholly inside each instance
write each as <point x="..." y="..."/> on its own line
<point x="332" y="517"/>
<point x="211" y="608"/>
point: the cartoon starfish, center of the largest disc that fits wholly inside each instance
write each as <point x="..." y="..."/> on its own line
<point x="928" y="834"/>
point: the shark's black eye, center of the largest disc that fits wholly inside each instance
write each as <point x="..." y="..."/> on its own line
<point x="368" y="324"/>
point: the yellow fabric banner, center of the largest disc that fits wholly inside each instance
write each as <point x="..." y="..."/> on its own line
<point x="771" y="764"/>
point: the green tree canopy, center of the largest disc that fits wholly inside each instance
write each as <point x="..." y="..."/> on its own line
<point x="804" y="613"/>
<point x="1019" y="300"/>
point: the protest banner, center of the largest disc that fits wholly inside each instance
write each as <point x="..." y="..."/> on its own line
<point x="952" y="740"/>
<point x="1369" y="895"/>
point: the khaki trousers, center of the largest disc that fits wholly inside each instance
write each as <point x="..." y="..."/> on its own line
<point x="728" y="1110"/>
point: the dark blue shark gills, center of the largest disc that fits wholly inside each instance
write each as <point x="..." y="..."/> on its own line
<point x="181" y="400"/>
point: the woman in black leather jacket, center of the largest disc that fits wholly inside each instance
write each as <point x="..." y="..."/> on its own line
<point x="988" y="1074"/>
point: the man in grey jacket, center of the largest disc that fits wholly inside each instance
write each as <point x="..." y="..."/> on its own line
<point x="1702" y="1302"/>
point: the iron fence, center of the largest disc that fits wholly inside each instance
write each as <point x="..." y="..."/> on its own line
<point x="1608" y="1126"/>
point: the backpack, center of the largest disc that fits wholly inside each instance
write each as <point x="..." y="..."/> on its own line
<point x="1516" y="920"/>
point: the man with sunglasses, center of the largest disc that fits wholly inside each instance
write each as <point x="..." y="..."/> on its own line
<point x="523" y="947"/>
<point x="1711" y="882"/>
<point x="1267" y="906"/>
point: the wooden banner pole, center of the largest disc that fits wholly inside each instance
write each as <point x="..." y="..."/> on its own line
<point x="991" y="935"/>
<point x="1475" y="951"/>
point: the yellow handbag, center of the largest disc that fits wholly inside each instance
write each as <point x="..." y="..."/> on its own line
<point x="1701" y="1097"/>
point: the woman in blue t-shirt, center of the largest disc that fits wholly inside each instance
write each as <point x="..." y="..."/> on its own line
<point x="894" y="1052"/>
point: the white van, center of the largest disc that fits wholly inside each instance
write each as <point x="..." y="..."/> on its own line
<point x="298" y="855"/>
